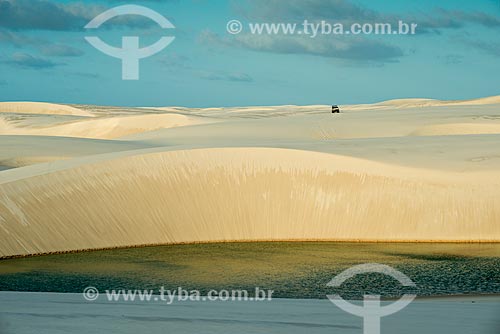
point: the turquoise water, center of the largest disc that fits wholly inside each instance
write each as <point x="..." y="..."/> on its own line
<point x="291" y="269"/>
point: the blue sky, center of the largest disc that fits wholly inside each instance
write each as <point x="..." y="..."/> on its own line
<point x="454" y="55"/>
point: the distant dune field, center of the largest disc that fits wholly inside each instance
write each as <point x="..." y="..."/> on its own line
<point x="92" y="177"/>
<point x="41" y="108"/>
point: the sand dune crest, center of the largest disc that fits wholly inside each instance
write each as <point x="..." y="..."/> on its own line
<point x="41" y="108"/>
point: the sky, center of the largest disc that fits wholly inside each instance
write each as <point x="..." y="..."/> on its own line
<point x="455" y="53"/>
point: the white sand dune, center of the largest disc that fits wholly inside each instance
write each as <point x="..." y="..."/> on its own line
<point x="32" y="312"/>
<point x="422" y="103"/>
<point x="402" y="170"/>
<point x="103" y="128"/>
<point x="41" y="108"/>
<point x="457" y="129"/>
<point x="289" y="110"/>
<point x="246" y="112"/>
<point x="456" y="153"/>
<point x="243" y="194"/>
<point x="19" y="151"/>
<point x="322" y="125"/>
<point x="411" y="103"/>
<point x="481" y="101"/>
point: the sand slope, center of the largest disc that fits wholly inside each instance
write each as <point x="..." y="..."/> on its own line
<point x="401" y="170"/>
<point x="243" y="194"/>
<point x="29" y="312"/>
<point x="41" y="108"/>
<point x="19" y="151"/>
<point x="422" y="103"/>
<point x="457" y="129"/>
<point x="103" y="128"/>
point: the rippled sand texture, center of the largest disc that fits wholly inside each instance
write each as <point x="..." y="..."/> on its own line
<point x="395" y="171"/>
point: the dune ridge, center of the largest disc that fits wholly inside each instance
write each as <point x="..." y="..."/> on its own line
<point x="422" y="103"/>
<point x="103" y="127"/>
<point x="19" y="151"/>
<point x="41" y="108"/>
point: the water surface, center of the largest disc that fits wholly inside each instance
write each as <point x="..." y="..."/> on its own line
<point x="291" y="269"/>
